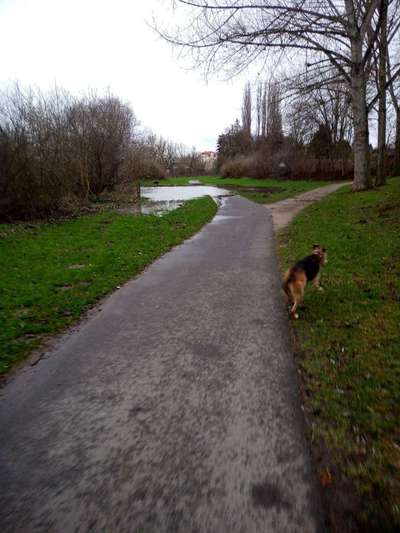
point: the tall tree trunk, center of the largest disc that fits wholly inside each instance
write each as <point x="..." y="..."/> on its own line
<point x="246" y="110"/>
<point x="362" y="180"/>
<point x="259" y="107"/>
<point x="264" y="111"/>
<point x="396" y="105"/>
<point x="397" y="142"/>
<point x="381" y="170"/>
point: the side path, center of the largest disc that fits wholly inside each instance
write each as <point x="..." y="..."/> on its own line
<point x="174" y="409"/>
<point x="283" y="212"/>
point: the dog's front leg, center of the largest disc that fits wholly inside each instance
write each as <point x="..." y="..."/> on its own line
<point x="316" y="283"/>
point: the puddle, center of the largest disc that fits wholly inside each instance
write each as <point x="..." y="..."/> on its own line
<point x="161" y="200"/>
<point x="165" y="199"/>
<point x="165" y="194"/>
<point x="222" y="218"/>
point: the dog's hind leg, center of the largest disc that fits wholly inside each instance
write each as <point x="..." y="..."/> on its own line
<point x="297" y="290"/>
<point x="293" y="310"/>
<point x="287" y="289"/>
<point x="285" y="284"/>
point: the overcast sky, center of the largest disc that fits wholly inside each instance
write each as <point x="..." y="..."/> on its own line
<point x="98" y="44"/>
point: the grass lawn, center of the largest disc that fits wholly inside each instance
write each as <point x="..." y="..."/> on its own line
<point x="349" y="353"/>
<point x="50" y="273"/>
<point x="283" y="188"/>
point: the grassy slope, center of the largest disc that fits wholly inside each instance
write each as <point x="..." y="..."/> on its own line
<point x="50" y="273"/>
<point x="291" y="188"/>
<point x="350" y="352"/>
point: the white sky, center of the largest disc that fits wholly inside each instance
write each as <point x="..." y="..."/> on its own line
<point x="99" y="44"/>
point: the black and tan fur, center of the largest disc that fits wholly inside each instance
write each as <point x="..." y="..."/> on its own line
<point x="296" y="278"/>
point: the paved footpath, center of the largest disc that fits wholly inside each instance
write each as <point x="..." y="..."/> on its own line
<point x="175" y="408"/>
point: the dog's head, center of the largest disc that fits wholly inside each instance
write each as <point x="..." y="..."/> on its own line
<point x="321" y="253"/>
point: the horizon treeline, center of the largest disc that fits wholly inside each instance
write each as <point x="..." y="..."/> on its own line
<point x="283" y="134"/>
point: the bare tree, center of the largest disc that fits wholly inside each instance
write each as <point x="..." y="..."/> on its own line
<point x="327" y="105"/>
<point x="301" y="120"/>
<point x="343" y="33"/>
<point x="382" y="72"/>
<point x="247" y="110"/>
<point x="264" y="111"/>
<point x="274" y="116"/>
<point x="395" y="98"/>
<point x="259" y="95"/>
<point x="386" y="65"/>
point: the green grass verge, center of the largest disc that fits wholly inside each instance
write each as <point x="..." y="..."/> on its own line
<point x="50" y="273"/>
<point x="288" y="188"/>
<point x="349" y="352"/>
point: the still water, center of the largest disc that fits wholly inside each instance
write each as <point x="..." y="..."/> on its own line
<point x="165" y="194"/>
<point x="164" y="199"/>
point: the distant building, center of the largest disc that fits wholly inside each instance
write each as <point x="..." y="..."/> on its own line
<point x="209" y="159"/>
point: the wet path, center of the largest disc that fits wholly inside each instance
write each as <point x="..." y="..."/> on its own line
<point x="173" y="409"/>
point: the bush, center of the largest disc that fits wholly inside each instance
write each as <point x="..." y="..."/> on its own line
<point x="148" y="169"/>
<point x="33" y="165"/>
<point x="303" y="167"/>
<point x="286" y="164"/>
<point x="251" y="166"/>
<point x="53" y="147"/>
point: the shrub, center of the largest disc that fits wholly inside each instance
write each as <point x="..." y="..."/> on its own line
<point x="303" y="167"/>
<point x="53" y="146"/>
<point x="286" y="164"/>
<point x="251" y="166"/>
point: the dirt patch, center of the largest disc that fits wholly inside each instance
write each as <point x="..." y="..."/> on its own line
<point x="284" y="211"/>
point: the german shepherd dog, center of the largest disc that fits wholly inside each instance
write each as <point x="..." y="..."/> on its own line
<point x="296" y="278"/>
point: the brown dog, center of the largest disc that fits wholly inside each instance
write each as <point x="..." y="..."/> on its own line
<point x="307" y="269"/>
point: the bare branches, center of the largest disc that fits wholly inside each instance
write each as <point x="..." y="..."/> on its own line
<point x="345" y="33"/>
<point x="54" y="147"/>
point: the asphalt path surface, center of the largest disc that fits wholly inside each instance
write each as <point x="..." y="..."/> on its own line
<point x="174" y="408"/>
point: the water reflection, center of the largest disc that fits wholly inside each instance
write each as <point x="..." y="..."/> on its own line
<point x="164" y="194"/>
<point x="164" y="199"/>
